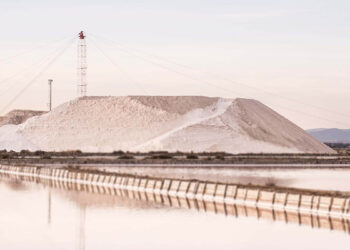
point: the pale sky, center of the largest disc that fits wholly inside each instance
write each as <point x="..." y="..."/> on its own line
<point x="293" y="56"/>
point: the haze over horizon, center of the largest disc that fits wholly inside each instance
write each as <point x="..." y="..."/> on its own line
<point x="293" y="57"/>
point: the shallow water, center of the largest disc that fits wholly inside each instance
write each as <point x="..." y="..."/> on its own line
<point x="302" y="177"/>
<point x="35" y="216"/>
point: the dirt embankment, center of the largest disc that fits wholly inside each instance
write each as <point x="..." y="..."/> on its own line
<point x="162" y="157"/>
<point x="17" y="116"/>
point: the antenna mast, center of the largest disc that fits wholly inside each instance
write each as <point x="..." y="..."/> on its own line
<point x="82" y="65"/>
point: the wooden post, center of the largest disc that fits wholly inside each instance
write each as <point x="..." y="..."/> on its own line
<point x="138" y="185"/>
<point x="225" y="193"/>
<point x="312" y="220"/>
<point x="343" y="225"/>
<point x="318" y="221"/>
<point x="330" y="223"/>
<point x="115" y="180"/>
<point x="236" y="210"/>
<point x="204" y="189"/>
<point x="285" y="216"/>
<point x="312" y="202"/>
<point x="245" y="210"/>
<point x="348" y="210"/>
<point x="138" y="189"/>
<point x="225" y="208"/>
<point x="161" y="186"/>
<point x="286" y="200"/>
<point x="331" y="204"/>
<point x="245" y="195"/>
<point x="258" y="197"/>
<point x="146" y="184"/>
<point x="153" y="190"/>
<point x="273" y="198"/>
<point x="203" y="202"/>
<point x="215" y="208"/>
<point x="196" y="189"/>
<point x="178" y="187"/>
<point x="146" y="189"/>
<point x="186" y="194"/>
<point x="318" y="203"/>
<point x="188" y="187"/>
<point x="195" y="194"/>
<point x="215" y="190"/>
<point x="236" y="192"/>
<point x="171" y="183"/>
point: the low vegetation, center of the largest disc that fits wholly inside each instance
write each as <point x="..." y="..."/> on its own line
<point x="79" y="157"/>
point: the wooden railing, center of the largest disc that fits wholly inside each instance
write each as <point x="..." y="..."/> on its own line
<point x="314" y="208"/>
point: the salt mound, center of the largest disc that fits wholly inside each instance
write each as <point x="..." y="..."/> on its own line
<point x="18" y="116"/>
<point x="11" y="140"/>
<point x="183" y="123"/>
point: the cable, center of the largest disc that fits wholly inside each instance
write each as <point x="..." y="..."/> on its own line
<point x="117" y="66"/>
<point x="225" y="89"/>
<point x="174" y="71"/>
<point x="37" y="76"/>
<point x="227" y="79"/>
<point x="41" y="62"/>
<point x="32" y="49"/>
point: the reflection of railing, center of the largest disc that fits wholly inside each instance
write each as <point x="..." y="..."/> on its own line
<point x="316" y="210"/>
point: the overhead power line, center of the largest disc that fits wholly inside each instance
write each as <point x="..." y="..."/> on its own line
<point x="31" y="66"/>
<point x="174" y="71"/>
<point x="117" y="66"/>
<point x="46" y="67"/>
<point x="41" y="63"/>
<point x="127" y="50"/>
<point x="134" y="52"/>
<point x="32" y="50"/>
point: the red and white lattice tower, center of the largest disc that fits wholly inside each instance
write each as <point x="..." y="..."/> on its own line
<point x="82" y="65"/>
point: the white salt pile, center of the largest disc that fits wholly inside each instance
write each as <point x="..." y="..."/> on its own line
<point x="144" y="123"/>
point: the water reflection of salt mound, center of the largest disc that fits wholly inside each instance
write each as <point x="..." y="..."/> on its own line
<point x="184" y="123"/>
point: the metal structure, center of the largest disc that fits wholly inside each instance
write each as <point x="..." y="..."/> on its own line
<point x="82" y="65"/>
<point x="50" y="94"/>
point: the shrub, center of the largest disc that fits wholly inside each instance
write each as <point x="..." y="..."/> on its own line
<point x="191" y="156"/>
<point x="25" y="152"/>
<point x="162" y="156"/>
<point x="71" y="153"/>
<point x="158" y="152"/>
<point x="78" y="152"/>
<point x="270" y="184"/>
<point x="126" y="157"/>
<point x="5" y="156"/>
<point x="119" y="152"/>
<point x="39" y="153"/>
<point x="220" y="157"/>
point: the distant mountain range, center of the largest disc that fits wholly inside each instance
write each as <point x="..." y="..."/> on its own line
<point x="334" y="135"/>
